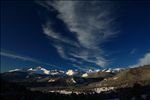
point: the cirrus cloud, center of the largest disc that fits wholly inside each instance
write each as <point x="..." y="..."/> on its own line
<point x="25" y="58"/>
<point x="90" y="22"/>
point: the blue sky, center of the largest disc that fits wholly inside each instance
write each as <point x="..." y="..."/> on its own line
<point x="74" y="34"/>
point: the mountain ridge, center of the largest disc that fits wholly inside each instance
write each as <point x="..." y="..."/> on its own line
<point x="95" y="81"/>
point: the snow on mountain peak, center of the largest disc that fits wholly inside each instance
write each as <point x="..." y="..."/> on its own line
<point x="14" y="70"/>
<point x="42" y="70"/>
<point x="56" y="72"/>
<point x="85" y="75"/>
<point x="45" y="71"/>
<point x="70" y="72"/>
<point x="39" y="70"/>
<point x="30" y="69"/>
<point x="109" y="70"/>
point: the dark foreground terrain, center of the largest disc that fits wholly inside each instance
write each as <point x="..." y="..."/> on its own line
<point x="13" y="91"/>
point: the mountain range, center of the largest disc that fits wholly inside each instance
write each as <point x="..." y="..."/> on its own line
<point x="76" y="81"/>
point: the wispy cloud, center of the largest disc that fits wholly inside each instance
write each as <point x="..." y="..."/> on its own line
<point x="133" y="51"/>
<point x="142" y="61"/>
<point x="90" y="22"/>
<point x="25" y="58"/>
<point x="6" y="54"/>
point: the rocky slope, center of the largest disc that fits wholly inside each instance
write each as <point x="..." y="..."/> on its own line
<point x="129" y="77"/>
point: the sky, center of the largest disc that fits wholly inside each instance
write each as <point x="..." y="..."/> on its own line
<point x="77" y="34"/>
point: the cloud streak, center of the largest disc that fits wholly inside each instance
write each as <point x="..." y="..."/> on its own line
<point x="90" y="22"/>
<point x="18" y="57"/>
<point x="25" y="58"/>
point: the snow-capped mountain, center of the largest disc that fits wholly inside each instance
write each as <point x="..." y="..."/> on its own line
<point x="56" y="72"/>
<point x="14" y="70"/>
<point x="107" y="70"/>
<point x="71" y="72"/>
<point x="100" y="72"/>
<point x="44" y="71"/>
<point x="85" y="75"/>
<point x="39" y="70"/>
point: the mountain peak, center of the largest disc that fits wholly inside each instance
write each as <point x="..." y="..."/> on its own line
<point x="70" y="72"/>
<point x="39" y="70"/>
<point x="14" y="70"/>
